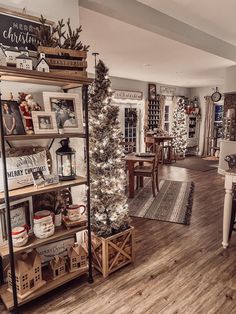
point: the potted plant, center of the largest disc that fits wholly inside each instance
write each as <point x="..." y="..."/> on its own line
<point x="62" y="48"/>
<point x="112" y="239"/>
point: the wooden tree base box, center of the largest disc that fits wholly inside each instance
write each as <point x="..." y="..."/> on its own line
<point x="112" y="253"/>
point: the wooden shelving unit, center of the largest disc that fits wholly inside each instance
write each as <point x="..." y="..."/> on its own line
<point x="60" y="234"/>
<point x="42" y="136"/>
<point x="11" y="300"/>
<point x="31" y="190"/>
<point x="49" y="286"/>
<point x="45" y="78"/>
<point x="153" y="115"/>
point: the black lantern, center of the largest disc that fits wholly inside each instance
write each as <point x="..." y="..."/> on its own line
<point x="66" y="166"/>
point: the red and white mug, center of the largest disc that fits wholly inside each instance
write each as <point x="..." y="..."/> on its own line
<point x="20" y="235"/>
<point x="75" y="211"/>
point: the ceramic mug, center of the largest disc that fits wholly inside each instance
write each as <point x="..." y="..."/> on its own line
<point x="43" y="224"/>
<point x="74" y="212"/>
<point x="20" y="235"/>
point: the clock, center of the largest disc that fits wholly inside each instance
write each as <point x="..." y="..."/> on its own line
<point x="216" y="96"/>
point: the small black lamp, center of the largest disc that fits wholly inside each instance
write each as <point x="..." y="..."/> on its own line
<point x="66" y="165"/>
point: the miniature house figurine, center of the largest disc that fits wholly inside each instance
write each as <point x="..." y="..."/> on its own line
<point x="57" y="267"/>
<point x="24" y="51"/>
<point x="24" y="62"/>
<point x="3" y="61"/>
<point x="11" y="54"/>
<point x="42" y="64"/>
<point x="77" y="257"/>
<point x="28" y="273"/>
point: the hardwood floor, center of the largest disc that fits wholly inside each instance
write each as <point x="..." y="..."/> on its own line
<point x="177" y="269"/>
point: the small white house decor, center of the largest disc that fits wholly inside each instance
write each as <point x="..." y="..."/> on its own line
<point x="3" y="61"/>
<point x="42" y="64"/>
<point x="11" y="54"/>
<point x="57" y="267"/>
<point x="24" y="62"/>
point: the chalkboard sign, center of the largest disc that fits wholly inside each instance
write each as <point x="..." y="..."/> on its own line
<point x="18" y="29"/>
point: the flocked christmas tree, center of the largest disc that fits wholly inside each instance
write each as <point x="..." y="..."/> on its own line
<point x="109" y="209"/>
<point x="179" y="128"/>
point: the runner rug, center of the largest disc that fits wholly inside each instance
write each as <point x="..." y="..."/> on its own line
<point x="173" y="203"/>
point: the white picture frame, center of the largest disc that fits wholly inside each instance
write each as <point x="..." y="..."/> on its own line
<point x="44" y="122"/>
<point x="21" y="212"/>
<point x="68" y="110"/>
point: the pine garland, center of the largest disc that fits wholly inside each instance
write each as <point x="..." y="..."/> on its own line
<point x="109" y="209"/>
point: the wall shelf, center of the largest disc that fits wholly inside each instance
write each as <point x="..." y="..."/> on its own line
<point x="50" y="285"/>
<point x="42" y="136"/>
<point x="60" y="234"/>
<point x="12" y="74"/>
<point x="31" y="190"/>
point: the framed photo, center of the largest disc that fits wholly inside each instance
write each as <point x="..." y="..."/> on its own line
<point x="152" y="92"/>
<point x="68" y="110"/>
<point x="12" y="120"/>
<point x="38" y="178"/>
<point x="21" y="212"/>
<point x="44" y="122"/>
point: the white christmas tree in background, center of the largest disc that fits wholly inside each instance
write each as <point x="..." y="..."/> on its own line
<point x="109" y="209"/>
<point x="179" y="128"/>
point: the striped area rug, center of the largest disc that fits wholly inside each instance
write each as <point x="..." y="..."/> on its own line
<point x="173" y="203"/>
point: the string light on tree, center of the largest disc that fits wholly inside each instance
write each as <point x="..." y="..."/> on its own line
<point x="109" y="210"/>
<point x="179" y="128"/>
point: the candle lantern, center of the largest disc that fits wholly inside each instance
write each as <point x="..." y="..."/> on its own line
<point x="66" y="165"/>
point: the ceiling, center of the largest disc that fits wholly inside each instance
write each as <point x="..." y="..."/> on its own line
<point x="134" y="52"/>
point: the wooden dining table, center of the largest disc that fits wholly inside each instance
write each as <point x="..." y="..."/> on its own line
<point x="131" y="160"/>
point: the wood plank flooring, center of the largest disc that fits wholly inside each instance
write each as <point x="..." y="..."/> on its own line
<point x="177" y="269"/>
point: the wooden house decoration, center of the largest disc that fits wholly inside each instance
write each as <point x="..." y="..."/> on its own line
<point x="77" y="257"/>
<point x="57" y="267"/>
<point x="42" y="64"/>
<point x="3" y="61"/>
<point x="28" y="273"/>
<point x="24" y="62"/>
<point x="11" y="54"/>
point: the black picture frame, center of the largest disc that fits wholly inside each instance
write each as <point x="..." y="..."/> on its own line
<point x="152" y="92"/>
<point x="12" y="119"/>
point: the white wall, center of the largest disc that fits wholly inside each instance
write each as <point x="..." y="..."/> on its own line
<point x="201" y="92"/>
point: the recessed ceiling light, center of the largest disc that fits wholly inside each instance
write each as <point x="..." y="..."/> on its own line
<point x="147" y="64"/>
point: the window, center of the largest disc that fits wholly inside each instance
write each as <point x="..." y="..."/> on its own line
<point x="61" y="268"/>
<point x="167" y="115"/>
<point x="74" y="259"/>
<point x="82" y="257"/>
<point x="74" y="265"/>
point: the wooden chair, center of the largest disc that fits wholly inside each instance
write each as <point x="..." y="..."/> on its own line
<point x="150" y="171"/>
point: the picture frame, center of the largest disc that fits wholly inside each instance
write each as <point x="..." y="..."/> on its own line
<point x="152" y="91"/>
<point x="22" y="26"/>
<point x="68" y="110"/>
<point x="12" y="119"/>
<point x="44" y="122"/>
<point x="21" y="212"/>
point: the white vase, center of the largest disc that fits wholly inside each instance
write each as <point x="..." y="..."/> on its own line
<point x="57" y="220"/>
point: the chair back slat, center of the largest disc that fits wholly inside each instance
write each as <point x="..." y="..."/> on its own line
<point x="157" y="157"/>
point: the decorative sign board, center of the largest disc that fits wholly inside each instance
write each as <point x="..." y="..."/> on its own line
<point x="48" y="251"/>
<point x="17" y="29"/>
<point x="168" y="90"/>
<point x="124" y="94"/>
